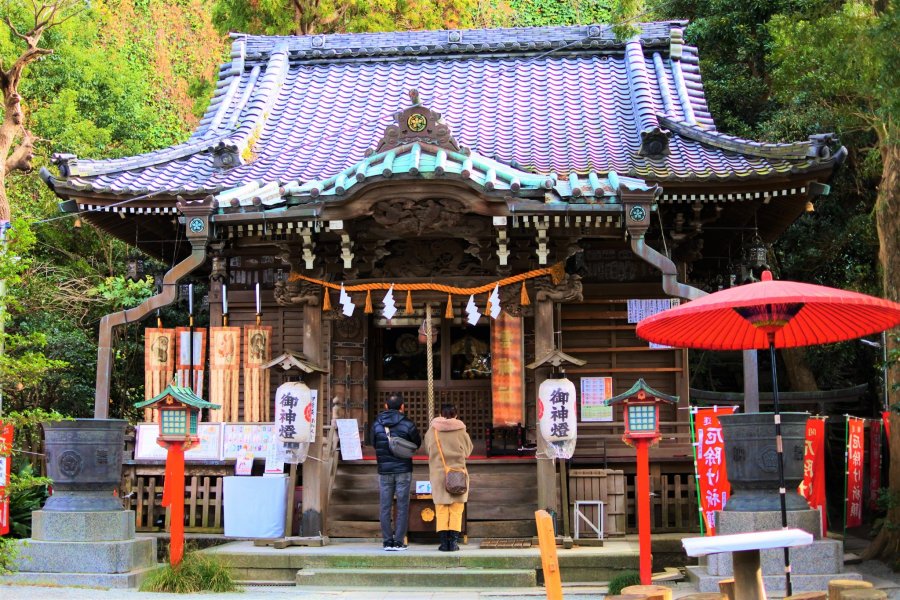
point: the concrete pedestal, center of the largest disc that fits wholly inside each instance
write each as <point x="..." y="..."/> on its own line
<point x="91" y="548"/>
<point x="812" y="566"/>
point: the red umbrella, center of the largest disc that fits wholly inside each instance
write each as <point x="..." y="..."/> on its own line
<point x="799" y="314"/>
<point x="771" y="314"/>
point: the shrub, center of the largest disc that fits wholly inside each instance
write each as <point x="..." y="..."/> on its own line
<point x="197" y="572"/>
<point x="623" y="580"/>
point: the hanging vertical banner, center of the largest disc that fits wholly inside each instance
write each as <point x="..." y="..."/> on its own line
<point x="159" y="365"/>
<point x="886" y="419"/>
<point x="855" y="453"/>
<point x="257" y="352"/>
<point x="6" y="444"/>
<point x="874" y="463"/>
<point x="189" y="359"/>
<point x="713" y="479"/>
<point x="507" y="378"/>
<point x="224" y="372"/>
<point x="813" y="486"/>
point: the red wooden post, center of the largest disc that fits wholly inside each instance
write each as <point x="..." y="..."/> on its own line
<point x="642" y="498"/>
<point x="173" y="497"/>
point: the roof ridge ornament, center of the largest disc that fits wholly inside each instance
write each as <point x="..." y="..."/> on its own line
<point x="418" y="123"/>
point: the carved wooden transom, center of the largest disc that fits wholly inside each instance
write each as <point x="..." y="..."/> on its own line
<point x="409" y="217"/>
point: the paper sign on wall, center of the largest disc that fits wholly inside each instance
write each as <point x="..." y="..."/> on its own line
<point x="244" y="464"/>
<point x="595" y="391"/>
<point x="252" y="437"/>
<point x="348" y="433"/>
<point x="275" y="459"/>
<point x="209" y="446"/>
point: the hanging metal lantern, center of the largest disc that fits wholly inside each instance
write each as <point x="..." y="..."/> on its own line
<point x="756" y="253"/>
<point x="134" y="267"/>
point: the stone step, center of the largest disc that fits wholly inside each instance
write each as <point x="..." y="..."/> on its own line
<point x="452" y="577"/>
<point x="283" y="565"/>
<point x="131" y="579"/>
<point x="819" y="558"/>
<point x="86" y="557"/>
<point x="773" y="583"/>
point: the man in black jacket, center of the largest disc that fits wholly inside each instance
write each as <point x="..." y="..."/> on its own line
<point x="394" y="474"/>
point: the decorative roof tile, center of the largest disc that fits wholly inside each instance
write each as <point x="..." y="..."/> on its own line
<point x="550" y="101"/>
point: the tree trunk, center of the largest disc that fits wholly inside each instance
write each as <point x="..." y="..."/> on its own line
<point x="800" y="376"/>
<point x="887" y="219"/>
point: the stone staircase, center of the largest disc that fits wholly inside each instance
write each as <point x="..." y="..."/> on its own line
<point x="363" y="564"/>
<point x="502" y="499"/>
<point x="421" y="570"/>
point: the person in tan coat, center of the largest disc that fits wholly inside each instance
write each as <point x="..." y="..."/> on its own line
<point x="447" y="435"/>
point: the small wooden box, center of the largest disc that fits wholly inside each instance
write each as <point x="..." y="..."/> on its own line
<point x="422" y="515"/>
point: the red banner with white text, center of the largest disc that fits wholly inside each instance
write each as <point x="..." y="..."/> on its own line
<point x="874" y="462"/>
<point x="711" y="474"/>
<point x="855" y="451"/>
<point x="813" y="486"/>
<point x="6" y="441"/>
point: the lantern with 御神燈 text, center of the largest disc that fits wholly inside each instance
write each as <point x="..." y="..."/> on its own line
<point x="556" y="414"/>
<point x="294" y="412"/>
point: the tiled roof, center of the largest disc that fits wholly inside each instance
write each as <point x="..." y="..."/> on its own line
<point x="425" y="161"/>
<point x="551" y="101"/>
<point x="183" y="394"/>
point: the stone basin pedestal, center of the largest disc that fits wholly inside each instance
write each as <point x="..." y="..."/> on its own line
<point x="83" y="536"/>
<point x="754" y="505"/>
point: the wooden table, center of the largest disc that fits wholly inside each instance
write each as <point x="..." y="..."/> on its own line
<point x="745" y="547"/>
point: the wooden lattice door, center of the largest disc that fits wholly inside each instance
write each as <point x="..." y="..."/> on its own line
<point x="349" y="367"/>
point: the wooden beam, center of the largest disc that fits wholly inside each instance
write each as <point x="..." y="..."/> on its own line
<point x="548" y="498"/>
<point x="313" y="523"/>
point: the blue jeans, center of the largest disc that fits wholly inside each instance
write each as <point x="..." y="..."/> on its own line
<point x="392" y="484"/>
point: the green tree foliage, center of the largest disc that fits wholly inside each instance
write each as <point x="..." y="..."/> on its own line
<point x="535" y="13"/>
<point x="125" y="77"/>
<point x="26" y="490"/>
<point x="857" y="80"/>
<point x="304" y="17"/>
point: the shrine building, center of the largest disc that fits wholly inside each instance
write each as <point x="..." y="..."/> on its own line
<point x="577" y="179"/>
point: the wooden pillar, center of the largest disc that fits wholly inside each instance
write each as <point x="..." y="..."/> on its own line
<point x="215" y="302"/>
<point x="748" y="576"/>
<point x="642" y="499"/>
<point x="313" y="520"/>
<point x="751" y="382"/>
<point x="548" y="498"/>
<point x="836" y="587"/>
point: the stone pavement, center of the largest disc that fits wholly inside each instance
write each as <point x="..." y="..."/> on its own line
<point x="873" y="571"/>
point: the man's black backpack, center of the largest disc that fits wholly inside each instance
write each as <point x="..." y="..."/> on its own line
<point x="400" y="447"/>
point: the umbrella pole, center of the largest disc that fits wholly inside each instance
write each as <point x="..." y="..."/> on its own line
<point x="779" y="446"/>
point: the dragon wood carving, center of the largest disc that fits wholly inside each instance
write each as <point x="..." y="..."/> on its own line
<point x="569" y="290"/>
<point x="405" y="217"/>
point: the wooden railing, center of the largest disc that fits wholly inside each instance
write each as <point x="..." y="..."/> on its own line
<point x="673" y="503"/>
<point x="595" y="445"/>
<point x="142" y="488"/>
<point x="330" y="460"/>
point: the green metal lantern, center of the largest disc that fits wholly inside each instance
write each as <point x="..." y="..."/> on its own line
<point x="642" y="410"/>
<point x="179" y="413"/>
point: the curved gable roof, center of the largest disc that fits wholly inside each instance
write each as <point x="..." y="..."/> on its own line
<point x="554" y="101"/>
